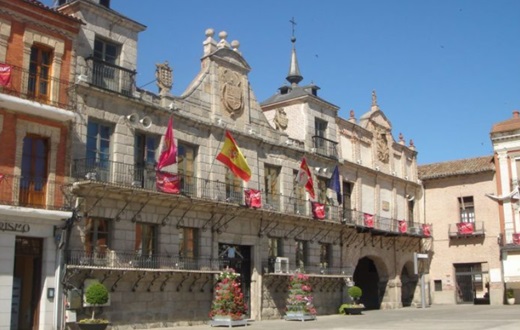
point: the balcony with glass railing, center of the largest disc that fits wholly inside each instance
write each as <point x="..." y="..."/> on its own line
<point x="40" y="87"/>
<point x="110" y="77"/>
<point x="139" y="177"/>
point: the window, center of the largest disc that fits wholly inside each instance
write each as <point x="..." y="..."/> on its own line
<point x="188" y="242"/>
<point x="145" y="239"/>
<point x="98" y="149"/>
<point x="144" y="160"/>
<point x="467" y="209"/>
<point x="106" y="51"/>
<point x="298" y="199"/>
<point x="347" y="201"/>
<point x="275" y="247"/>
<point x="105" y="73"/>
<point x="301" y="254"/>
<point x="39" y="73"/>
<point x="33" y="179"/>
<point x="325" y="255"/>
<point x="320" y="130"/>
<point x="186" y="155"/>
<point x="272" y="186"/>
<point x="438" y="285"/>
<point x="96" y="236"/>
<point x="411" y="204"/>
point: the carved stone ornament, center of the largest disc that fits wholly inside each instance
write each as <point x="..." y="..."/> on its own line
<point x="382" y="146"/>
<point x="164" y="76"/>
<point x="280" y="119"/>
<point x="231" y="91"/>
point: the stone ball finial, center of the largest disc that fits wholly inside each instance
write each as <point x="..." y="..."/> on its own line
<point x="222" y="35"/>
<point x="210" y="33"/>
<point x="235" y="44"/>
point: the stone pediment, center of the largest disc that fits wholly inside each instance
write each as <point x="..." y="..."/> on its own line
<point x="231" y="59"/>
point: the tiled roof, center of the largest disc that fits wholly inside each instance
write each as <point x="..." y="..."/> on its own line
<point x="507" y="125"/>
<point x="54" y="10"/>
<point x="456" y="167"/>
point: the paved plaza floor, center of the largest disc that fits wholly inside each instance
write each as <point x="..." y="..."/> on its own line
<point x="438" y="317"/>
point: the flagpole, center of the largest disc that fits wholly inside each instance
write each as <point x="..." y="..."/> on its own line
<point x="214" y="158"/>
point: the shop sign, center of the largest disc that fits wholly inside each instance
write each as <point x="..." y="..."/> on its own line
<point x="16" y="227"/>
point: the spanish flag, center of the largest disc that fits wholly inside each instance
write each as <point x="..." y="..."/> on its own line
<point x="232" y="157"/>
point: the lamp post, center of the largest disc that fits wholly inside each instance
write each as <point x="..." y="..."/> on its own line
<point x="420" y="272"/>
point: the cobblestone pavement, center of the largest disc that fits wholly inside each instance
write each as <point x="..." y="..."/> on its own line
<point x="438" y="317"/>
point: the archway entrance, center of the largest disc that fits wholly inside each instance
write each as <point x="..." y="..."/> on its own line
<point x="408" y="285"/>
<point x="367" y="278"/>
<point x="238" y="257"/>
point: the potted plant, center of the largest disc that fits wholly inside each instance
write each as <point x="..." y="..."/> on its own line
<point x="228" y="307"/>
<point x="96" y="294"/>
<point x="355" y="307"/>
<point x="299" y="302"/>
<point x="510" y="295"/>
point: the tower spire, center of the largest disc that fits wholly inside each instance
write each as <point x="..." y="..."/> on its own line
<point x="294" y="76"/>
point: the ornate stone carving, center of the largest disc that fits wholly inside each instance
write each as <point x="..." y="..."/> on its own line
<point x="280" y="119"/>
<point x="164" y="76"/>
<point x="382" y="146"/>
<point x="231" y="91"/>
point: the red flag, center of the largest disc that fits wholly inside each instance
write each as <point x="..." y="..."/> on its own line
<point x="167" y="182"/>
<point x="426" y="230"/>
<point x="318" y="210"/>
<point x="5" y="74"/>
<point x="368" y="220"/>
<point x="403" y="226"/>
<point x="253" y="198"/>
<point x="516" y="239"/>
<point x="232" y="157"/>
<point x="465" y="228"/>
<point x="169" y="154"/>
<point x="304" y="178"/>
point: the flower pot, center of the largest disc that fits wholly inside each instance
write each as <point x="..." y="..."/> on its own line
<point x="353" y="310"/>
<point x="226" y="320"/>
<point x="510" y="301"/>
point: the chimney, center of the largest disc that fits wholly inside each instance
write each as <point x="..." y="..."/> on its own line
<point x="516" y="114"/>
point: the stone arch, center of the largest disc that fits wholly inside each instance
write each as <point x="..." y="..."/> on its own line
<point x="371" y="275"/>
<point x="408" y="284"/>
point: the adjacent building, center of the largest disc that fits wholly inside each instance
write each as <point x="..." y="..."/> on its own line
<point x="465" y="265"/>
<point x="37" y="71"/>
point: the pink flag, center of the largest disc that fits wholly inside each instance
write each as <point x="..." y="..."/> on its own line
<point x="465" y="228"/>
<point x="369" y="220"/>
<point x="253" y="198"/>
<point x="167" y="182"/>
<point x="5" y="74"/>
<point x="318" y="210"/>
<point x="169" y="154"/>
<point x="516" y="238"/>
<point x="426" y="230"/>
<point x="403" y="226"/>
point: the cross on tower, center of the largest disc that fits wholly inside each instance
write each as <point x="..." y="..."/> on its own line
<point x="293" y="23"/>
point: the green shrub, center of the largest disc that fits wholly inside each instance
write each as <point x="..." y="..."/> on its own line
<point x="96" y="294"/>
<point x="510" y="293"/>
<point x="355" y="292"/>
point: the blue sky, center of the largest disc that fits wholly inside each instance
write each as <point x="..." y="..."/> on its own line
<point x="444" y="70"/>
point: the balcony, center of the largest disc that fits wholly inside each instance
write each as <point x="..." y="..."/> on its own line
<point x="36" y="193"/>
<point x="21" y="83"/>
<point x="325" y="147"/>
<point x="130" y="176"/>
<point x="111" y="77"/>
<point x="111" y="259"/>
<point x="466" y="229"/>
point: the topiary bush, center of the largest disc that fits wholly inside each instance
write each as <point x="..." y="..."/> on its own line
<point x="355" y="293"/>
<point x="96" y="294"/>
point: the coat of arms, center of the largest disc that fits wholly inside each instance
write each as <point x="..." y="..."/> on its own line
<point x="231" y="91"/>
<point x="164" y="76"/>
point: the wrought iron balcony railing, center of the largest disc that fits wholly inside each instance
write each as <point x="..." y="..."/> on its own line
<point x="32" y="192"/>
<point x="111" y="77"/>
<point x="130" y="259"/>
<point x="466" y="229"/>
<point x="325" y="147"/>
<point x="132" y="176"/>
<point x="41" y="88"/>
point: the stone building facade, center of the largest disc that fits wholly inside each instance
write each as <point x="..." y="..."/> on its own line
<point x="36" y="73"/>
<point x="158" y="252"/>
<point x="465" y="266"/>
